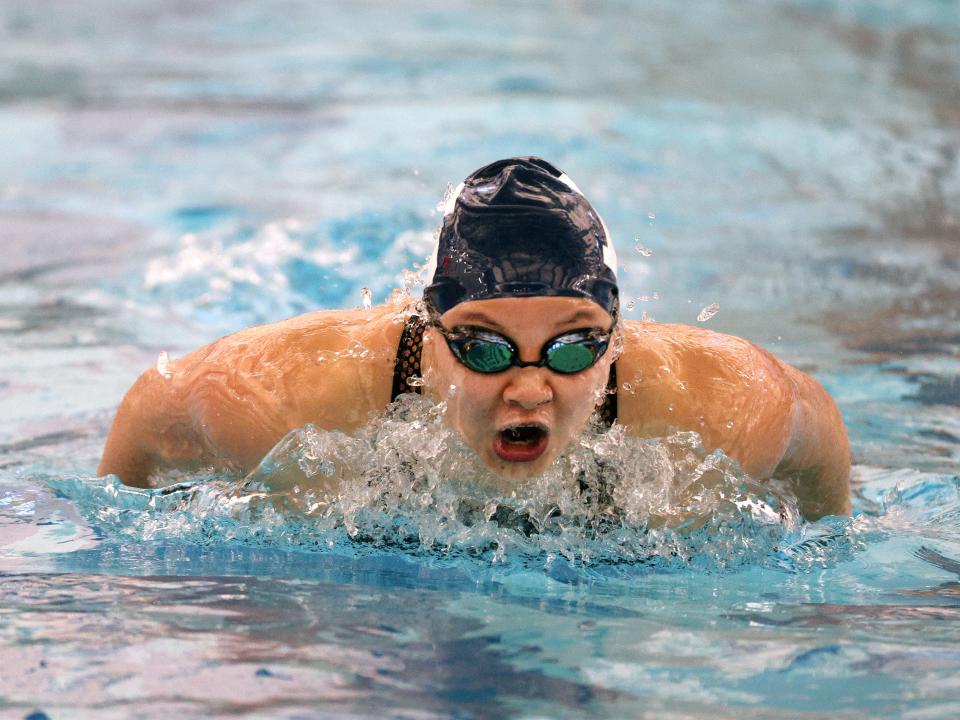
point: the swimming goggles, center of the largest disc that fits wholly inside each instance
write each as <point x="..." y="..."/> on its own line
<point x="485" y="351"/>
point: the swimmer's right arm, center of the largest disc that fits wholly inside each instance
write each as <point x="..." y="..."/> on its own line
<point x="205" y="414"/>
<point x="151" y="429"/>
<point x="227" y="404"/>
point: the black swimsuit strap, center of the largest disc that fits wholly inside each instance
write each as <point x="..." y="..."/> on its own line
<point x="408" y="357"/>
<point x="408" y="366"/>
<point x="608" y="409"/>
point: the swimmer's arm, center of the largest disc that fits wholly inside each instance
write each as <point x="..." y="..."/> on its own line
<point x="152" y="428"/>
<point x="205" y="415"/>
<point x="816" y="463"/>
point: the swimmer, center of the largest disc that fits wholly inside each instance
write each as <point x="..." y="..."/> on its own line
<point x="519" y="333"/>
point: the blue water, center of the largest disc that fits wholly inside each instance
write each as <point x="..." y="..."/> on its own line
<point x="173" y="172"/>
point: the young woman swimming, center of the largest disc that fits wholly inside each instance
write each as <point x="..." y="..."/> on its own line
<point x="519" y="333"/>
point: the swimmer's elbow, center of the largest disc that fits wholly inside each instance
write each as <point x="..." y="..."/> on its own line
<point x="816" y="464"/>
<point x="133" y="470"/>
<point x="127" y="453"/>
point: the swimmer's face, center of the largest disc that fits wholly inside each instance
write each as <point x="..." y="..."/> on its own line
<point x="519" y="420"/>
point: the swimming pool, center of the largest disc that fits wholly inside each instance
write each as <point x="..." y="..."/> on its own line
<point x="172" y="172"/>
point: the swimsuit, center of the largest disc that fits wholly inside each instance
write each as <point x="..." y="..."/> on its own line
<point x="408" y="367"/>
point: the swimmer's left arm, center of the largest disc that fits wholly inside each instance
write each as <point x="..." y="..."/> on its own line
<point x="774" y="420"/>
<point x="816" y="462"/>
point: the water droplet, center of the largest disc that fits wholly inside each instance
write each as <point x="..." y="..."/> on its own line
<point x="729" y="424"/>
<point x="631" y="304"/>
<point x="366" y="298"/>
<point x="651" y="216"/>
<point x="627" y="387"/>
<point x="641" y="248"/>
<point x="670" y="407"/>
<point x="708" y="312"/>
<point x="655" y="296"/>
<point x="163" y="365"/>
<point x="410" y="281"/>
<point x="415" y="381"/>
<point x="681" y="385"/>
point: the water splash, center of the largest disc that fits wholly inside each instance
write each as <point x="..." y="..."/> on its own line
<point x="708" y="312"/>
<point x="408" y="481"/>
<point x="641" y="248"/>
<point x="163" y="365"/>
<point x="446" y="202"/>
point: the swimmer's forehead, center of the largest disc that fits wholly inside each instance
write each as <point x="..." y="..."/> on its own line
<point x="522" y="313"/>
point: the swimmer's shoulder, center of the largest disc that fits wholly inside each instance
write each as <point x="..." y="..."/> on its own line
<point x="329" y="367"/>
<point x="687" y="348"/>
<point x="734" y="393"/>
<point x="299" y="339"/>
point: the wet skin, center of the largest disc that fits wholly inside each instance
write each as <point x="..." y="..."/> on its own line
<point x="227" y="404"/>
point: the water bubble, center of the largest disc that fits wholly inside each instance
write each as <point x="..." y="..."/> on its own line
<point x="366" y="298"/>
<point x="656" y="295"/>
<point x="631" y="304"/>
<point x="415" y="381"/>
<point x="651" y="216"/>
<point x="708" y="312"/>
<point x="647" y="317"/>
<point x="163" y="365"/>
<point x="729" y="424"/>
<point x="627" y="387"/>
<point x="641" y="248"/>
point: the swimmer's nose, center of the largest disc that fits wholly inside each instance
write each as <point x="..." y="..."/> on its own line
<point x="528" y="388"/>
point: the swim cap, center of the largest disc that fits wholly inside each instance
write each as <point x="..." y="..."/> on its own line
<point x="520" y="228"/>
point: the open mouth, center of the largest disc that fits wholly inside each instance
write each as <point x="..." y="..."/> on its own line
<point x="521" y="443"/>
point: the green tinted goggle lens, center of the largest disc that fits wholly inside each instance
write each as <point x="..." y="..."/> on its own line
<point x="487" y="357"/>
<point x="571" y="357"/>
<point x="492" y="355"/>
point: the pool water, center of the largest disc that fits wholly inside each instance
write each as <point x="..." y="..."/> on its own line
<point x="787" y="171"/>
